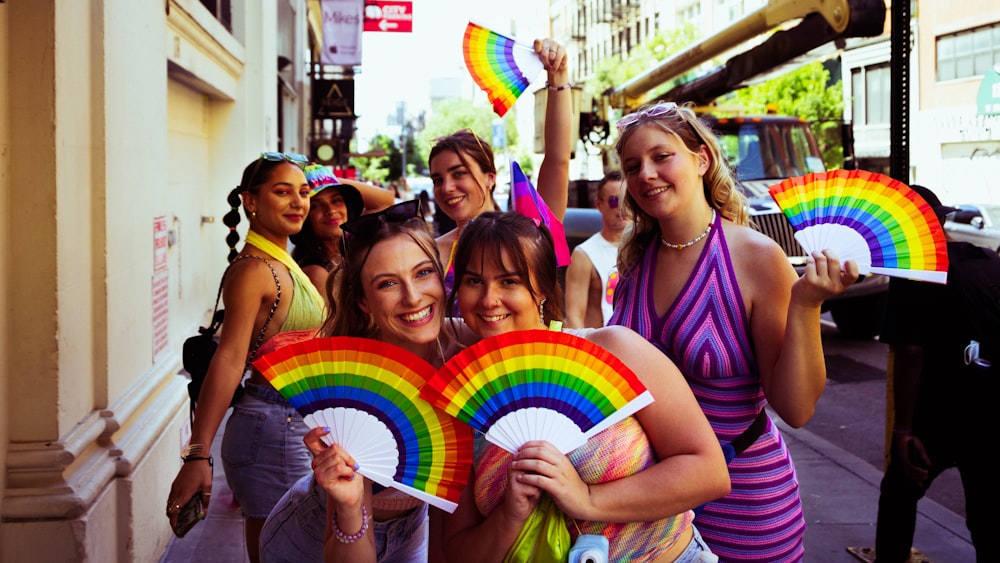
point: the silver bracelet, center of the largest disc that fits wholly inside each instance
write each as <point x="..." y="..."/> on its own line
<point x="565" y="86"/>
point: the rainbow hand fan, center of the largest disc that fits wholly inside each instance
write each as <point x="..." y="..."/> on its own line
<point x="368" y="393"/>
<point x="537" y="385"/>
<point x="500" y="66"/>
<point x="878" y="222"/>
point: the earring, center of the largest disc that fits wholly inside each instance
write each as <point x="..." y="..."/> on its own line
<point x="253" y="214"/>
<point x="541" y="312"/>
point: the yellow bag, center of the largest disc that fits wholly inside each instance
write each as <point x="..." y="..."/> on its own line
<point x="544" y="537"/>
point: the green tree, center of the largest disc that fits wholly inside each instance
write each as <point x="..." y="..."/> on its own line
<point x="806" y="93"/>
<point x="377" y="169"/>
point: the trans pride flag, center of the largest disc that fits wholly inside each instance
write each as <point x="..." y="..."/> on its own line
<point x="527" y="202"/>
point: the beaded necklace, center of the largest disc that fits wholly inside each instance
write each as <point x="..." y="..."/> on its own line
<point x="682" y="246"/>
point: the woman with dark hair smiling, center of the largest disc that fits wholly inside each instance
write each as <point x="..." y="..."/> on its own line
<point x="635" y="483"/>
<point x="332" y="202"/>
<point x="265" y="294"/>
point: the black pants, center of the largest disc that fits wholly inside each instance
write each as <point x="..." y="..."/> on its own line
<point x="897" y="505"/>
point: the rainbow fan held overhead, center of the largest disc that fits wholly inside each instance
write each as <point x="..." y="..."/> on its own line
<point x="537" y="385"/>
<point x="500" y="66"/>
<point x="875" y="220"/>
<point x="368" y="393"/>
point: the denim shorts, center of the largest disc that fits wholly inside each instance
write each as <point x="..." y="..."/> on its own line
<point x="262" y="449"/>
<point x="295" y="530"/>
<point x="697" y="551"/>
<point x="403" y="539"/>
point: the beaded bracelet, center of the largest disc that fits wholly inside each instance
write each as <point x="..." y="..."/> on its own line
<point x="344" y="538"/>
<point x="566" y="86"/>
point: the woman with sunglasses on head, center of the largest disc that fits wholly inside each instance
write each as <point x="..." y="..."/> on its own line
<point x="332" y="202"/>
<point x="266" y="294"/>
<point x="464" y="173"/>
<point x="636" y="483"/>
<point x="691" y="268"/>
<point x="389" y="288"/>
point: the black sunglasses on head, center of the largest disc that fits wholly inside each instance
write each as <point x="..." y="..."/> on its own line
<point x="367" y="225"/>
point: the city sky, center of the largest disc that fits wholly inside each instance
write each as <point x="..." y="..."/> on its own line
<point x="399" y="66"/>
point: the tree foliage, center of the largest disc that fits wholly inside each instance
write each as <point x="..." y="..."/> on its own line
<point x="806" y="93"/>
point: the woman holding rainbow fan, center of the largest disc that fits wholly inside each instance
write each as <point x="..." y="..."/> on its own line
<point x="635" y="483"/>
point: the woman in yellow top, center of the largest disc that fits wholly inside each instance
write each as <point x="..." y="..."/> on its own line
<point x="262" y="446"/>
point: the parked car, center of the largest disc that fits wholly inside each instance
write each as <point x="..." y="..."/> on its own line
<point x="580" y="223"/>
<point x="975" y="223"/>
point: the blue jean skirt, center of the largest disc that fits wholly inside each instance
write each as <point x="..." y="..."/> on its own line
<point x="262" y="450"/>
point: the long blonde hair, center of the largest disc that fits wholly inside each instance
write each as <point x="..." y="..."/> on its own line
<point x="719" y="182"/>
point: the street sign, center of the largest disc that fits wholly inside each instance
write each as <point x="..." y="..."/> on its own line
<point x="389" y="15"/>
<point x="988" y="97"/>
<point x="333" y="98"/>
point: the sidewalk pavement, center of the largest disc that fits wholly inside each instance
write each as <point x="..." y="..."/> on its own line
<point x="839" y="496"/>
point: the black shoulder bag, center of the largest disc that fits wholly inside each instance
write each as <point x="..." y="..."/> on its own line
<point x="199" y="349"/>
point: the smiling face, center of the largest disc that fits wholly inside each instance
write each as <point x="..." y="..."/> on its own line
<point x="280" y="203"/>
<point x="403" y="293"/>
<point x="327" y="213"/>
<point x="494" y="297"/>
<point x="459" y="189"/>
<point x="663" y="176"/>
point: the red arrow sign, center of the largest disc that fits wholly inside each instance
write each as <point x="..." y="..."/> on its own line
<point x="388" y="15"/>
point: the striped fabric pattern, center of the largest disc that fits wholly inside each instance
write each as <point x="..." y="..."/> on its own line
<point x="706" y="333"/>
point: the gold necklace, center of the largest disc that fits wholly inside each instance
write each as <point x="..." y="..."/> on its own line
<point x="704" y="234"/>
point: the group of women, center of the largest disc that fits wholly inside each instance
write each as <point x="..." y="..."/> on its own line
<point x="639" y="482"/>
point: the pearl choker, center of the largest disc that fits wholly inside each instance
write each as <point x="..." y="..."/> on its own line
<point x="704" y="234"/>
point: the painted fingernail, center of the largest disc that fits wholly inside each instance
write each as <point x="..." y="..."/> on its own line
<point x="326" y="429"/>
<point x="356" y="466"/>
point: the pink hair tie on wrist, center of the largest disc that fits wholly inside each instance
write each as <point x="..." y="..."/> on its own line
<point x="345" y="538"/>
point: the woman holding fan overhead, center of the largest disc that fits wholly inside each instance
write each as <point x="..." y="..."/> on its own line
<point x="462" y="164"/>
<point x="265" y="294"/>
<point x="388" y="288"/>
<point x="634" y="484"/>
<point x="690" y="268"/>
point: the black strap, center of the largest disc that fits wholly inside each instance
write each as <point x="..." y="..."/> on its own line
<point x="217" y="318"/>
<point x="270" y="314"/>
<point x="750" y="435"/>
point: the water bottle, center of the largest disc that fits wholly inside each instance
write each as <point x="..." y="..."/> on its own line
<point x="589" y="548"/>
